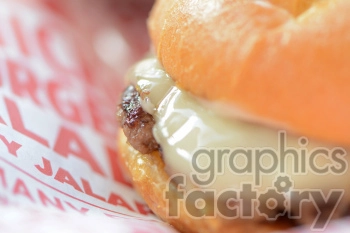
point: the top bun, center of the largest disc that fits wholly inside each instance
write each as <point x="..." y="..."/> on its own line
<point x="286" y="62"/>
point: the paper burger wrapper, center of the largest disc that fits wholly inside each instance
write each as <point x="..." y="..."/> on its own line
<point x="61" y="73"/>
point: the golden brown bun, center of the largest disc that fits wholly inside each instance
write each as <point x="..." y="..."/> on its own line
<point x="150" y="180"/>
<point x="283" y="61"/>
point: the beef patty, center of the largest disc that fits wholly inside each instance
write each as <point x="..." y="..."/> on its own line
<point x="136" y="123"/>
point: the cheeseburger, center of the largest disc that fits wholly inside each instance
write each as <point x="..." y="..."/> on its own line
<point x="238" y="121"/>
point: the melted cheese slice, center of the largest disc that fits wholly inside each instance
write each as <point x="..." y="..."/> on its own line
<point x="185" y="125"/>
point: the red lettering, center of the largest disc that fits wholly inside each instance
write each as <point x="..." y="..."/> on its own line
<point x="68" y="110"/>
<point x="12" y="147"/>
<point x="103" y="119"/>
<point x="2" y="121"/>
<point x="97" y="121"/>
<point x="111" y="215"/>
<point x="22" y="81"/>
<point x="46" y="201"/>
<point x="21" y="189"/>
<point x="57" y="9"/>
<point x="1" y="39"/>
<point x="82" y="210"/>
<point x="45" y="39"/>
<point x="86" y="71"/>
<point x="0" y="75"/>
<point x="69" y="143"/>
<point x="143" y="208"/>
<point x="17" y="123"/>
<point x="45" y="36"/>
<point x="51" y="32"/>
<point x="88" y="190"/>
<point x="64" y="176"/>
<point x="2" y="178"/>
<point x="117" y="200"/>
<point x="117" y="171"/>
<point x="18" y="33"/>
<point x="46" y="169"/>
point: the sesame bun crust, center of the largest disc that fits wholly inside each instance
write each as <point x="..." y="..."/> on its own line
<point x="282" y="61"/>
<point x="151" y="181"/>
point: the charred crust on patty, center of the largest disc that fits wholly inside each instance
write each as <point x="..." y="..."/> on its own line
<point x="136" y="123"/>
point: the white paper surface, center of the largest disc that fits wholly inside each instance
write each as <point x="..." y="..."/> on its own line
<point x="58" y="95"/>
<point x="58" y="162"/>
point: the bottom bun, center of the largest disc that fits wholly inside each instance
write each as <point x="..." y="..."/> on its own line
<point x="151" y="181"/>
